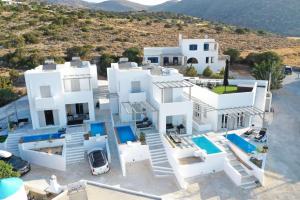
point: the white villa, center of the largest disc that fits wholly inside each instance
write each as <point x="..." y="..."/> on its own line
<point x="61" y="94"/>
<point x="200" y="53"/>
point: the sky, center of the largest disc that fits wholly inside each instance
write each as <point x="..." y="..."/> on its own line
<point x="145" y="2"/>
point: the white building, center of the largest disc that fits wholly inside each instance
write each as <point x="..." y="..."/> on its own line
<point x="61" y="94"/>
<point x="212" y="111"/>
<point x="154" y="92"/>
<point x="200" y="53"/>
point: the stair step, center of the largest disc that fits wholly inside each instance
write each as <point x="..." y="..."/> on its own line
<point x="156" y="163"/>
<point x="163" y="171"/>
<point x="157" y="153"/>
<point x="158" y="156"/>
<point x="157" y="150"/>
<point x="162" y="168"/>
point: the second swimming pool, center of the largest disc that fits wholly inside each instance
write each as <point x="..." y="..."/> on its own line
<point x="205" y="144"/>
<point x="125" y="134"/>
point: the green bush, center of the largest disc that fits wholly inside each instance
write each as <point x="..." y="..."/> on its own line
<point x="6" y="170"/>
<point x="191" y="71"/>
<point x="7" y="96"/>
<point x="168" y="26"/>
<point x="31" y="38"/>
<point x="5" y="82"/>
<point x="207" y="72"/>
<point x="234" y="55"/>
<point x="15" y="41"/>
<point x="81" y="51"/>
<point x="242" y="30"/>
<point x="105" y="62"/>
<point x="133" y="54"/>
<point x="257" y="58"/>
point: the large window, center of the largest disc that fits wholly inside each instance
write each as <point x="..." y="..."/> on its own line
<point x="193" y="47"/>
<point x="212" y="60"/>
<point x="224" y="121"/>
<point x="45" y="91"/>
<point x="153" y="59"/>
<point x="135" y="86"/>
<point x="206" y="46"/>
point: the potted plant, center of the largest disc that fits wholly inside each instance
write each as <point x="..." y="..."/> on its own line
<point x="265" y="149"/>
<point x="87" y="135"/>
<point x="142" y="138"/>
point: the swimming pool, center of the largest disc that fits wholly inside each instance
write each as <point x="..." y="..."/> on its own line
<point x="33" y="138"/>
<point x="98" y="128"/>
<point x="125" y="134"/>
<point x="205" y="144"/>
<point x="241" y="143"/>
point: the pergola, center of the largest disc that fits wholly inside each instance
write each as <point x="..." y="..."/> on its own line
<point x="173" y="84"/>
<point x="138" y="108"/>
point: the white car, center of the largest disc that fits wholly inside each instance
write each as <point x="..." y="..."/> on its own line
<point x="98" y="161"/>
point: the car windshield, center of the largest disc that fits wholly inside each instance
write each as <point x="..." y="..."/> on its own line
<point x="99" y="159"/>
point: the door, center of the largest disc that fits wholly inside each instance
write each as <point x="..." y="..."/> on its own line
<point x="49" y="117"/>
<point x="166" y="60"/>
<point x="79" y="109"/>
<point x="175" y="60"/>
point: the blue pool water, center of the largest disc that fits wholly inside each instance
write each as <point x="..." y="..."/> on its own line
<point x="125" y="134"/>
<point x="98" y="128"/>
<point x="241" y="143"/>
<point x="203" y="143"/>
<point x="33" y="138"/>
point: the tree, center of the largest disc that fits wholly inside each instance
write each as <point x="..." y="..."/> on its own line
<point x="258" y="58"/>
<point x="191" y="71"/>
<point x="207" y="72"/>
<point x="5" y="82"/>
<point x="234" y="55"/>
<point x="14" y="75"/>
<point x="133" y="54"/>
<point x="105" y="62"/>
<point x="6" y="170"/>
<point x="226" y="75"/>
<point x="81" y="51"/>
<point x="268" y="68"/>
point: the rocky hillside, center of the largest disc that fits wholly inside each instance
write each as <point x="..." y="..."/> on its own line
<point x="40" y="31"/>
<point x="277" y="16"/>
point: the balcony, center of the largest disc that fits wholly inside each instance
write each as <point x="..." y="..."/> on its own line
<point x="47" y="103"/>
<point x="137" y="96"/>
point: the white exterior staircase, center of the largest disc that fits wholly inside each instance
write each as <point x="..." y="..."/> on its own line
<point x="12" y="142"/>
<point x="158" y="156"/>
<point x="248" y="181"/>
<point x="74" y="148"/>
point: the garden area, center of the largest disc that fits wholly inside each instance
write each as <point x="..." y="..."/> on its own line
<point x="225" y="89"/>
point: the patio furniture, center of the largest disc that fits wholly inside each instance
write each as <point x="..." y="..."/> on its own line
<point x="144" y="125"/>
<point x="62" y="130"/>
<point x="175" y="138"/>
<point x="181" y="129"/>
<point x="261" y="136"/>
<point x="142" y="121"/>
<point x="169" y="126"/>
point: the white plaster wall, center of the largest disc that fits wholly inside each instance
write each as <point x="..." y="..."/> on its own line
<point x="44" y="159"/>
<point x="134" y="152"/>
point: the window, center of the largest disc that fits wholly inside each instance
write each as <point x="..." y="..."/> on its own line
<point x="75" y="85"/>
<point x="206" y="46"/>
<point x="193" y="47"/>
<point x="153" y="59"/>
<point x="224" y="121"/>
<point x="212" y="60"/>
<point x="207" y="60"/>
<point x="45" y="91"/>
<point x="135" y="86"/>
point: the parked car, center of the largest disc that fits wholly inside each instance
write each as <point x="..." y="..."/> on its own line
<point x="98" y="161"/>
<point x="288" y="70"/>
<point x="19" y="165"/>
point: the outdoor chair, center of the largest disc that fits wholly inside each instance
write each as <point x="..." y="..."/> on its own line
<point x="181" y="129"/>
<point x="169" y="126"/>
<point x="261" y="136"/>
<point x="175" y="138"/>
<point x="142" y="121"/>
<point x="144" y="125"/>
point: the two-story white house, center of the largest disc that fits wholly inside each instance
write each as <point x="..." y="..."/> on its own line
<point x="151" y="91"/>
<point x="61" y="94"/>
<point x="200" y="53"/>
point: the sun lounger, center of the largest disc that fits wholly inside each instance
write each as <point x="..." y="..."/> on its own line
<point x="175" y="139"/>
<point x="261" y="136"/>
<point x="144" y="120"/>
<point x="144" y="125"/>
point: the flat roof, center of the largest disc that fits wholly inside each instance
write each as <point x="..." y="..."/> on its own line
<point x="173" y="84"/>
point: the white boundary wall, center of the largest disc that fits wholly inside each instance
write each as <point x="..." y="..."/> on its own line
<point x="41" y="158"/>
